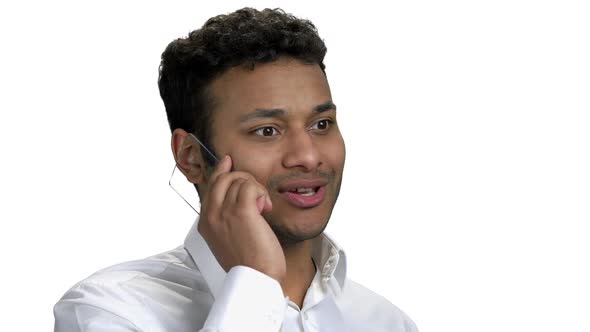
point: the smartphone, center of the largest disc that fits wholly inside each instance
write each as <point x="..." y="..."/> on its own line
<point x="211" y="154"/>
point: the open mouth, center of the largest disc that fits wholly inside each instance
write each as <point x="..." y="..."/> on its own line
<point x="305" y="197"/>
<point x="305" y="191"/>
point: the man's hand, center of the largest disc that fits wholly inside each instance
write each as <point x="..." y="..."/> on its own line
<point x="232" y="224"/>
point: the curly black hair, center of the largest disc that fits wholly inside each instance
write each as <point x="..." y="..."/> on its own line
<point x="242" y="38"/>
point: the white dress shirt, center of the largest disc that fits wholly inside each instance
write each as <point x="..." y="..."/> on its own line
<point x="186" y="290"/>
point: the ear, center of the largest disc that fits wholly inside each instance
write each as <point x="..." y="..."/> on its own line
<point x="188" y="156"/>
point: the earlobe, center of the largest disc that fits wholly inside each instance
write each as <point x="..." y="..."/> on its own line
<point x="187" y="156"/>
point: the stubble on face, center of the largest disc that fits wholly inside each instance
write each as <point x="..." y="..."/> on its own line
<point x="287" y="235"/>
<point x="297" y="88"/>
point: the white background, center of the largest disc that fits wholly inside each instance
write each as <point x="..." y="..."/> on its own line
<point x="466" y="193"/>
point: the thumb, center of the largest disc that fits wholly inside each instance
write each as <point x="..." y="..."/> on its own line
<point x="260" y="203"/>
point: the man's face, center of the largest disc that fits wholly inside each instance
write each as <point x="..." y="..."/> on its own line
<point x="278" y="123"/>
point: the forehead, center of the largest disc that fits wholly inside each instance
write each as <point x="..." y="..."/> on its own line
<point x="286" y="83"/>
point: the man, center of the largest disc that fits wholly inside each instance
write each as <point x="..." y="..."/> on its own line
<point x="254" y="128"/>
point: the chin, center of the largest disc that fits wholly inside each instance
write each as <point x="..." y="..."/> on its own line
<point x="304" y="226"/>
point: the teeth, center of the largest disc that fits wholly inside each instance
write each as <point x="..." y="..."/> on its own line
<point x="305" y="191"/>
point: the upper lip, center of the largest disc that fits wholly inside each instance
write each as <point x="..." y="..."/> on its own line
<point x="302" y="183"/>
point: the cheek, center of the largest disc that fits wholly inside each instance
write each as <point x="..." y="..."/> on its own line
<point x="260" y="165"/>
<point x="336" y="152"/>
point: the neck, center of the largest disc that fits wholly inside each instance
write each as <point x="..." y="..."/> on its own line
<point x="300" y="270"/>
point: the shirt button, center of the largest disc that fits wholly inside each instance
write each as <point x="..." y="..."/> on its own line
<point x="305" y="316"/>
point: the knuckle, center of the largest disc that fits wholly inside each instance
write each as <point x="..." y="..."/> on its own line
<point x="243" y="175"/>
<point x="220" y="179"/>
<point x="247" y="186"/>
<point x="250" y="177"/>
<point x="239" y="182"/>
<point x="254" y="186"/>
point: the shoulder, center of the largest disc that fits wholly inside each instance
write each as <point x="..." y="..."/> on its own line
<point x="135" y="290"/>
<point x="173" y="267"/>
<point x="367" y="306"/>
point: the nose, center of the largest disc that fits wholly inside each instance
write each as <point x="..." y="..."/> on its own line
<point x="301" y="152"/>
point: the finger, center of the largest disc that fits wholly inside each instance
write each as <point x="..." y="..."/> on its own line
<point x="267" y="204"/>
<point x="264" y="203"/>
<point x="224" y="166"/>
<point x="218" y="190"/>
<point x="252" y="194"/>
<point x="260" y="203"/>
<point x="232" y="193"/>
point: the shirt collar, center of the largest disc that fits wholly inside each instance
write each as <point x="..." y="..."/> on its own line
<point x="329" y="257"/>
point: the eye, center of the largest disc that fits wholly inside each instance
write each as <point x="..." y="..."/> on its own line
<point x="323" y="124"/>
<point x="266" y="131"/>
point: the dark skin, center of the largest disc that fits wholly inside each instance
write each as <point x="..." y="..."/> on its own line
<point x="274" y="125"/>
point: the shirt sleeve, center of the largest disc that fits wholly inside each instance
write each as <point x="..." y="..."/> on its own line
<point x="70" y="317"/>
<point x="248" y="301"/>
<point x="411" y="326"/>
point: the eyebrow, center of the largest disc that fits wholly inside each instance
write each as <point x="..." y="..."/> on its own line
<point x="277" y="112"/>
